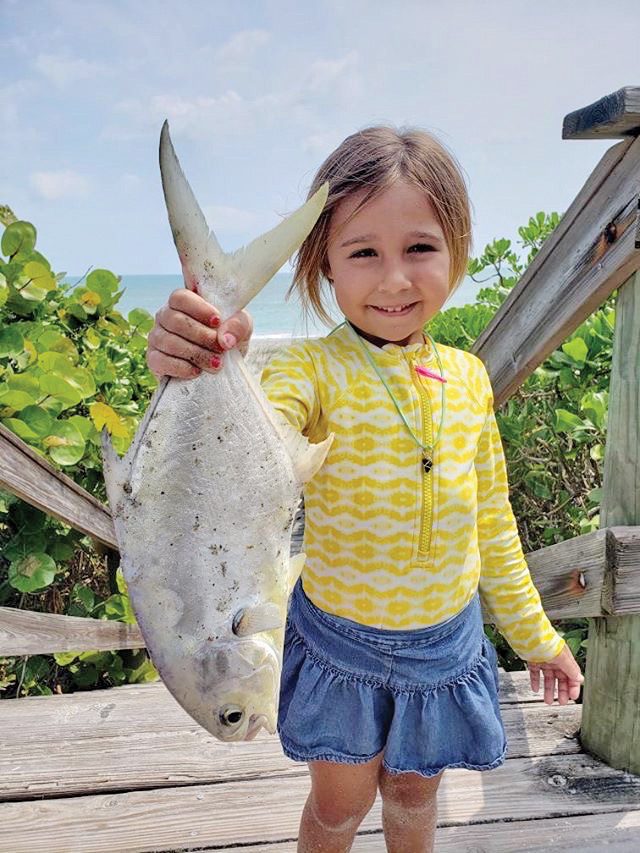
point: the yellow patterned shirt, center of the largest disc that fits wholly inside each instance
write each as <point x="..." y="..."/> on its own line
<point x="388" y="544"/>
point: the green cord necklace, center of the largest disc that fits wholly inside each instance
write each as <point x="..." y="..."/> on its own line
<point x="427" y="449"/>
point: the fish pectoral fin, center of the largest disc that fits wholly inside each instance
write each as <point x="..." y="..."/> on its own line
<point x="296" y="565"/>
<point x="261" y="617"/>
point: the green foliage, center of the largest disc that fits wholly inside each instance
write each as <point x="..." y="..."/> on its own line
<point x="70" y="364"/>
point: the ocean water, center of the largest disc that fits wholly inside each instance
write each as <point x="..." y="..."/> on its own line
<point x="273" y="315"/>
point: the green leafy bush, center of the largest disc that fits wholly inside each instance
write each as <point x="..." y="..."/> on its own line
<point x="70" y="364"/>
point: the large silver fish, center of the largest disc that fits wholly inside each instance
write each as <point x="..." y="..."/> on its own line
<point x="204" y="500"/>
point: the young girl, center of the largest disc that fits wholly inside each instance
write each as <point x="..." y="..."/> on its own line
<point x="388" y="677"/>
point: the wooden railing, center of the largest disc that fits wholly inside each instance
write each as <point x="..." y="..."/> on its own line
<point x="594" y="250"/>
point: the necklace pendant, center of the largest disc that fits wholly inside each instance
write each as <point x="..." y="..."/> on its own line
<point x="427" y="464"/>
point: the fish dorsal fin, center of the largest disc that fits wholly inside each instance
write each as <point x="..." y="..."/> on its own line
<point x="120" y="471"/>
<point x="115" y="471"/>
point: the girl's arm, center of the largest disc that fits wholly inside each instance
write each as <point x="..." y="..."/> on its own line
<point x="189" y="337"/>
<point x="505" y="580"/>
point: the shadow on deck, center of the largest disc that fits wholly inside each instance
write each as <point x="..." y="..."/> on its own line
<point x="127" y="769"/>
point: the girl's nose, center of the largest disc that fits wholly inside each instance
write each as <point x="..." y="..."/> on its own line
<point x="394" y="280"/>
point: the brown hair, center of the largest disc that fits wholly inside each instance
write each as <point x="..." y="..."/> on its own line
<point x="373" y="159"/>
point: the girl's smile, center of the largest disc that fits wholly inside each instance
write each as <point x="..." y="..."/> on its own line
<point x="389" y="264"/>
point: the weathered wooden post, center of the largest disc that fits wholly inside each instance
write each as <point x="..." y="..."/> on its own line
<point x="611" y="713"/>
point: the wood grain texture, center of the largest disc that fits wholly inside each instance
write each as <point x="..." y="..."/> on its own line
<point x="615" y="832"/>
<point x="589" y="255"/>
<point x="611" y="117"/>
<point x="268" y="810"/>
<point x="24" y="632"/>
<point x="89" y="743"/>
<point x="590" y="575"/>
<point x="611" y="725"/>
<point x="25" y="473"/>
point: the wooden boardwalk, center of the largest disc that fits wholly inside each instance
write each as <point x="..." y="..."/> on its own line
<point x="127" y="769"/>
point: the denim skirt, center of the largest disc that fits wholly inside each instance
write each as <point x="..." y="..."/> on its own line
<point x="427" y="697"/>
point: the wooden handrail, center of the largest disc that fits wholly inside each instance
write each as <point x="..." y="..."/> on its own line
<point x="28" y="475"/>
<point x="590" y="253"/>
<point x="591" y="575"/>
<point x="613" y="116"/>
<point x="25" y="632"/>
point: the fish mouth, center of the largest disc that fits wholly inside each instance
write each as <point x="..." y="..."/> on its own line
<point x="256" y="722"/>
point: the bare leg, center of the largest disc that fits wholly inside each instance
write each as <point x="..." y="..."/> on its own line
<point x="409" y="811"/>
<point x="341" y="795"/>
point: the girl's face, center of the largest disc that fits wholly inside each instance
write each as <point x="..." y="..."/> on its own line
<point x="389" y="264"/>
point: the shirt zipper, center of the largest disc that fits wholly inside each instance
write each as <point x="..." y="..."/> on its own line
<point x="426" y="519"/>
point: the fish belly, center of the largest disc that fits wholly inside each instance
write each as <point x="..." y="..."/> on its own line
<point x="205" y="529"/>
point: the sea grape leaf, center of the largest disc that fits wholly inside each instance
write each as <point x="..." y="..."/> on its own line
<point x="103" y="415"/>
<point x="19" y="237"/>
<point x="32" y="572"/>
<point x="65" y="443"/>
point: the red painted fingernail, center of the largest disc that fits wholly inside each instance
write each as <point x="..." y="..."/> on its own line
<point x="214" y="321"/>
<point x="215" y="362"/>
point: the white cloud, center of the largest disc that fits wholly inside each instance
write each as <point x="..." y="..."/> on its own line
<point x="301" y="102"/>
<point x="56" y="185"/>
<point x="241" y="46"/>
<point x="320" y="144"/>
<point x="325" y="73"/>
<point x="200" y="117"/>
<point x="233" y="220"/>
<point x="12" y="98"/>
<point x="129" y="181"/>
<point x="236" y="226"/>
<point x="61" y="70"/>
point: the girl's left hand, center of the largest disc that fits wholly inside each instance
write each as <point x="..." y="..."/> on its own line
<point x="563" y="669"/>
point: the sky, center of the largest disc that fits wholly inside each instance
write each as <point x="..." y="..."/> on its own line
<point x="257" y="94"/>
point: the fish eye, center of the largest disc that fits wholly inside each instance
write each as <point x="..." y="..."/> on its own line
<point x="231" y="715"/>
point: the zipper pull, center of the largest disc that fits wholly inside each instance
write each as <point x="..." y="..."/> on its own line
<point x="423" y="371"/>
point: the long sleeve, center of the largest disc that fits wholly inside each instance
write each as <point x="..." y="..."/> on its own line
<point x="289" y="381"/>
<point x="505" y="580"/>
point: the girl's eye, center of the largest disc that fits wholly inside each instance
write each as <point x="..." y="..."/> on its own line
<point x="417" y="247"/>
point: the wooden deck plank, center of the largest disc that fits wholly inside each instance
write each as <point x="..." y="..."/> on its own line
<point x="138" y="737"/>
<point x="53" y="762"/>
<point x="264" y="810"/>
<point x="92" y="713"/>
<point x="618" y="832"/>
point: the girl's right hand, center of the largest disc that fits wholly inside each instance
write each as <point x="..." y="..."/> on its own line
<point x="189" y="337"/>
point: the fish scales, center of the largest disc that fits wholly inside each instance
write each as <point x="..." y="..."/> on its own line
<point x="204" y="500"/>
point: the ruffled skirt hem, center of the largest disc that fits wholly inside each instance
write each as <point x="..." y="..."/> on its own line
<point x="296" y="754"/>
